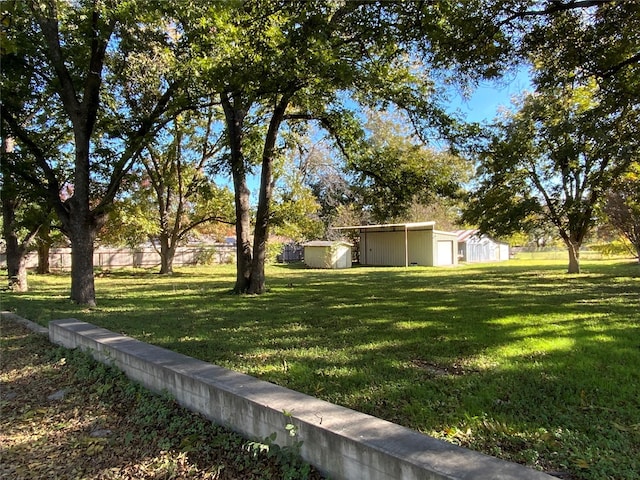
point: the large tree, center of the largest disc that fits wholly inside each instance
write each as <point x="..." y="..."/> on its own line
<point x="172" y="193"/>
<point x="622" y="206"/>
<point x="279" y="63"/>
<point x="23" y="215"/>
<point x="578" y="131"/>
<point x="554" y="159"/>
<point x="104" y="70"/>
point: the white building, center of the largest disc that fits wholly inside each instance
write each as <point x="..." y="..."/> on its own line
<point x="327" y="254"/>
<point x="474" y="247"/>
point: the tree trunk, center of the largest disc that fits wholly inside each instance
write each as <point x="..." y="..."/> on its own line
<point x="257" y="284"/>
<point x="166" y="263"/>
<point x="16" y="265"/>
<point x="43" y="258"/>
<point x="44" y="244"/>
<point x="574" y="256"/>
<point x="80" y="221"/>
<point x="19" y="282"/>
<point x="82" y="236"/>
<point x="82" y="226"/>
<point x="243" y="233"/>
<point x="16" y="251"/>
<point x="167" y="254"/>
<point x="261" y="235"/>
<point x="234" y="118"/>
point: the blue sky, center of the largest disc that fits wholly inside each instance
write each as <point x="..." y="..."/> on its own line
<point x="482" y="106"/>
<point x="489" y="97"/>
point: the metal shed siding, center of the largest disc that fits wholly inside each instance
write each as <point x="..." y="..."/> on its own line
<point x="341" y="257"/>
<point x="440" y="241"/>
<point x="420" y="252"/>
<point x="480" y="252"/>
<point x="327" y="255"/>
<point x="382" y="248"/>
<point x="401" y="244"/>
<point x="317" y="257"/>
<point x="387" y="248"/>
<point x="481" y="248"/>
<point x="445" y="252"/>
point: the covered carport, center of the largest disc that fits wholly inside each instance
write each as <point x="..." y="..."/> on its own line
<point x="405" y="244"/>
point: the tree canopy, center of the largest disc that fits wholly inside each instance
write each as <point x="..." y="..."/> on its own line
<point x="552" y="160"/>
<point x="570" y="139"/>
<point x="622" y="206"/>
<point x="110" y="75"/>
<point x="102" y="72"/>
<point x="276" y="65"/>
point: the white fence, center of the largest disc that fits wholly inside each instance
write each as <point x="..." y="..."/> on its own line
<point x="60" y="258"/>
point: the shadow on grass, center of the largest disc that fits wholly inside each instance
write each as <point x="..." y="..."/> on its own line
<point x="521" y="361"/>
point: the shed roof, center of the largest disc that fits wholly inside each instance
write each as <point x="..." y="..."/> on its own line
<point x="326" y="243"/>
<point x="464" y="235"/>
<point x="408" y="226"/>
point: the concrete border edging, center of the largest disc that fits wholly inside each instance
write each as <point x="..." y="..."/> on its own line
<point x="342" y="443"/>
<point x="34" y="327"/>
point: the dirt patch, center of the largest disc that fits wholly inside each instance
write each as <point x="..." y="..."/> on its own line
<point x="440" y="370"/>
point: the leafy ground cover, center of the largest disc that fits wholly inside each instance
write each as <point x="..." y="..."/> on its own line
<point x="64" y="416"/>
<point x="518" y="360"/>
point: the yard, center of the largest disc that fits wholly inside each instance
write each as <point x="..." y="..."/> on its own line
<point x="518" y="360"/>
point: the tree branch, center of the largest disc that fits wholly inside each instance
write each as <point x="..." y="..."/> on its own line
<point x="326" y="123"/>
<point x="611" y="71"/>
<point x="558" y="6"/>
<point x="136" y="144"/>
<point x="52" y="186"/>
<point x="212" y="218"/>
<point x="49" y="26"/>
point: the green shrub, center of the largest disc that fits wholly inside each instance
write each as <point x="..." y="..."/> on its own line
<point x="273" y="250"/>
<point x="616" y="248"/>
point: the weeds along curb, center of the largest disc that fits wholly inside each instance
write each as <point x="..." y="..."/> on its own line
<point x="341" y="443"/>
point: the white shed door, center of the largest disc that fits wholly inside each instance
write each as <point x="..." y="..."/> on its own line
<point x="445" y="252"/>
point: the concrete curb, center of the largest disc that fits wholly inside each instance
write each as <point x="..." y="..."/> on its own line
<point x="342" y="443"/>
<point x="34" y="327"/>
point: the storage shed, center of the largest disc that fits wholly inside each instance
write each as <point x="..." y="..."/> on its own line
<point x="474" y="247"/>
<point x="404" y="244"/>
<point x="327" y="254"/>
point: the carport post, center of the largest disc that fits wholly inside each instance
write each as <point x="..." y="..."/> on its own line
<point x="406" y="246"/>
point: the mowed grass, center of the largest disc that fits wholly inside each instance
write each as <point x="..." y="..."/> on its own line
<point x="519" y="360"/>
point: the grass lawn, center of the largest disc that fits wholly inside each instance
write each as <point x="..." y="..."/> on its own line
<point x="518" y="360"/>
